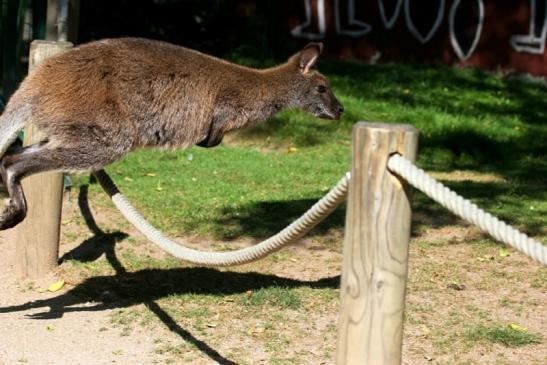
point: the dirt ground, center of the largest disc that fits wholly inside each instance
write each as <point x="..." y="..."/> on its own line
<point x="455" y="283"/>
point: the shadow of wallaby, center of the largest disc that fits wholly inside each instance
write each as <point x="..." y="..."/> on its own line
<point x="125" y="289"/>
<point x="130" y="288"/>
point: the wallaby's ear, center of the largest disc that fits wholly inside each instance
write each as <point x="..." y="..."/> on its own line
<point x="308" y="56"/>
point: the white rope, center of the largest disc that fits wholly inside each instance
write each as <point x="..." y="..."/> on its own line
<point x="291" y="233"/>
<point x="467" y="210"/>
<point x="404" y="168"/>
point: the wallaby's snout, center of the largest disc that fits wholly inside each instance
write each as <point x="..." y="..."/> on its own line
<point x="331" y="111"/>
<point x="316" y="96"/>
<point x="322" y="99"/>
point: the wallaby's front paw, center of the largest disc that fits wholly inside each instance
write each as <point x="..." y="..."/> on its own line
<point x="11" y="216"/>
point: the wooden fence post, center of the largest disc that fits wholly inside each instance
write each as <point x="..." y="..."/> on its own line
<point x="37" y="237"/>
<point x="375" y="247"/>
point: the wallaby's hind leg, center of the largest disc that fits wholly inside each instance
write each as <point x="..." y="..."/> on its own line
<point x="14" y="149"/>
<point x="40" y="158"/>
<point x="16" y="209"/>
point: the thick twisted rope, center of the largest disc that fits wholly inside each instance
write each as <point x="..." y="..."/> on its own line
<point x="467" y="210"/>
<point x="292" y="232"/>
<point x="396" y="163"/>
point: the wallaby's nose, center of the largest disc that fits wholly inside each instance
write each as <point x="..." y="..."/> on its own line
<point x="340" y="108"/>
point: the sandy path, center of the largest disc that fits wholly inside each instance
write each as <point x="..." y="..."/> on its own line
<point x="76" y="338"/>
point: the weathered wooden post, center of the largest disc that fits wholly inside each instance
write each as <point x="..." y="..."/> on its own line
<point x="375" y="247"/>
<point x="37" y="237"/>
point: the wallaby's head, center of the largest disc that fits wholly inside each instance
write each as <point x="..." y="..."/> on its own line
<point x="313" y="91"/>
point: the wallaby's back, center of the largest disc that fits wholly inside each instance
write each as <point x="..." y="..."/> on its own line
<point x="144" y="92"/>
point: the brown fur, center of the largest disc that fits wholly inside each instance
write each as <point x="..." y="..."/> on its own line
<point x="101" y="100"/>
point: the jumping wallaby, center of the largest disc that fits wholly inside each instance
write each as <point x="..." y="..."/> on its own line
<point x="98" y="101"/>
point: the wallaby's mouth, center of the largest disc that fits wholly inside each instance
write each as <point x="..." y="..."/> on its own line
<point x="327" y="114"/>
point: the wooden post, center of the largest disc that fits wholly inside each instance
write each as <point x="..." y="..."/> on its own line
<point x="37" y="237"/>
<point x="375" y="248"/>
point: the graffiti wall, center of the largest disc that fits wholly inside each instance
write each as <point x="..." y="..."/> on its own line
<point x="508" y="35"/>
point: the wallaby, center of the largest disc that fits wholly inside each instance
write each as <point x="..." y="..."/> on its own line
<point x="96" y="102"/>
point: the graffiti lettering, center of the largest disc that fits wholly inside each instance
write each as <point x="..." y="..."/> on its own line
<point x="415" y="32"/>
<point x="305" y="30"/>
<point x="534" y="41"/>
<point x="348" y="24"/>
<point x="453" y="35"/>
<point x="389" y="22"/>
<point x="354" y="27"/>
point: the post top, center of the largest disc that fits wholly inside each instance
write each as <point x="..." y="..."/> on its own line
<point x="42" y="42"/>
<point x="386" y="126"/>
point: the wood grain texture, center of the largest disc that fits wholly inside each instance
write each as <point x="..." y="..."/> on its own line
<point x="37" y="237"/>
<point x="375" y="248"/>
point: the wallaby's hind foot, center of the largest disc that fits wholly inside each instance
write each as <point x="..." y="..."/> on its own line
<point x="12" y="216"/>
<point x="16" y="210"/>
<point x="40" y="158"/>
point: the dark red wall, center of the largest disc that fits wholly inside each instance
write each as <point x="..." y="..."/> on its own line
<point x="504" y="33"/>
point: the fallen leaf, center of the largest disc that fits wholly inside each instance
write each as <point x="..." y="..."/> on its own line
<point x="56" y="286"/>
<point x="127" y="178"/>
<point x="50" y="328"/>
<point x="151" y="174"/>
<point x="292" y="150"/>
<point x="518" y="328"/>
<point x="503" y="252"/>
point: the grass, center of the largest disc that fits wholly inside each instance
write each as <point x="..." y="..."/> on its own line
<point x="483" y="134"/>
<point x="510" y="336"/>
<point x="273" y="296"/>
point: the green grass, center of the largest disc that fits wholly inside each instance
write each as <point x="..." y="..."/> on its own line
<point x="273" y="296"/>
<point x="505" y="335"/>
<point x="252" y="187"/>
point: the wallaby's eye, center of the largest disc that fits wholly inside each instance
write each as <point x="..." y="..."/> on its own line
<point x="321" y="89"/>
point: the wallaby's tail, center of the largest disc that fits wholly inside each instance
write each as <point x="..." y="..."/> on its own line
<point x="12" y="121"/>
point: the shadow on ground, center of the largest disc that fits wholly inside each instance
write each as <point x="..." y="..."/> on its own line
<point x="129" y="288"/>
<point x="264" y="219"/>
<point x="125" y="289"/>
